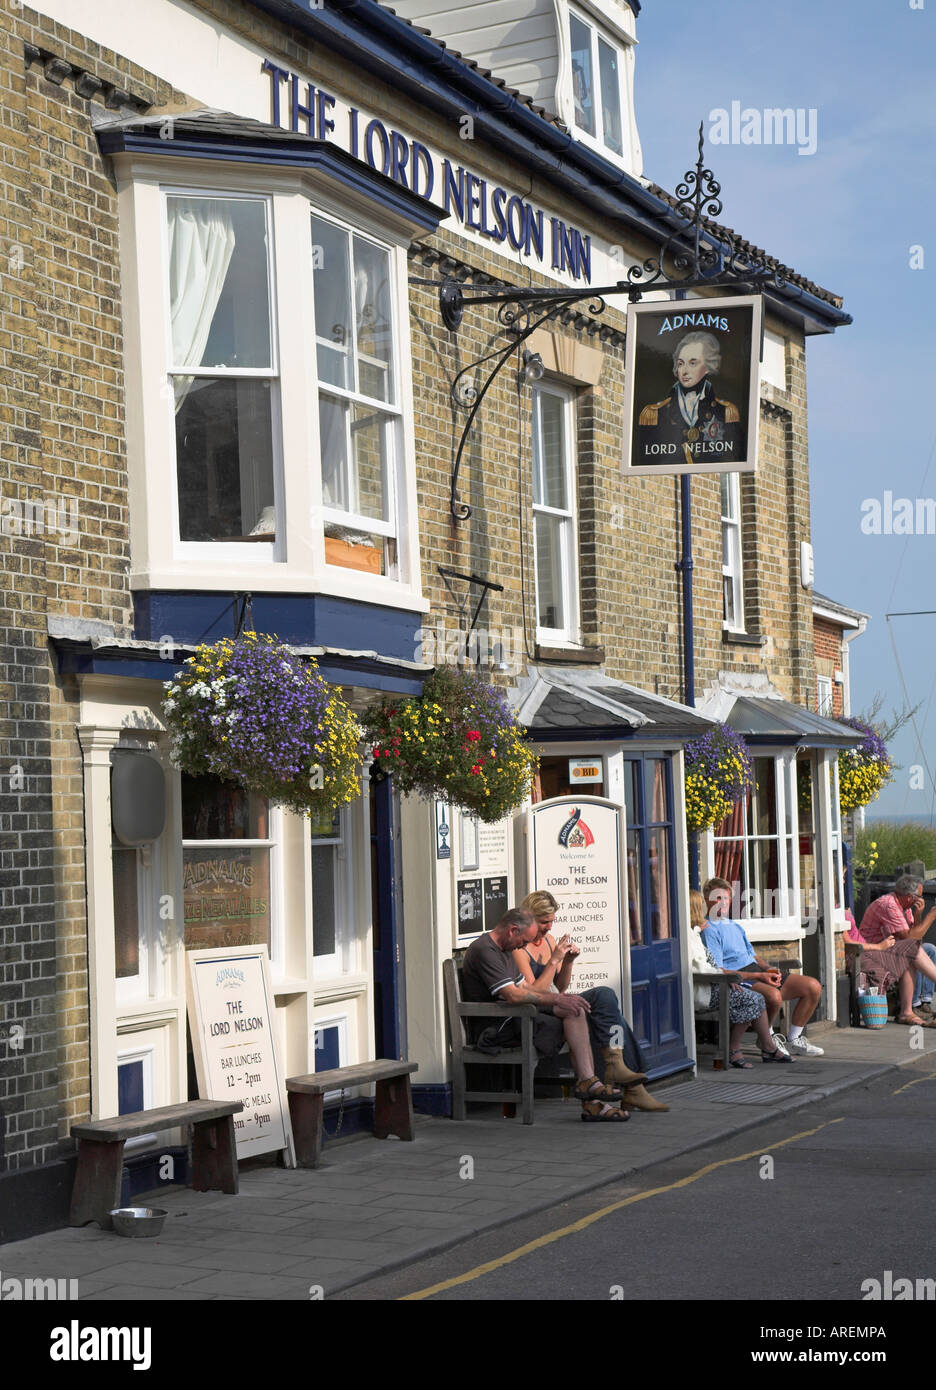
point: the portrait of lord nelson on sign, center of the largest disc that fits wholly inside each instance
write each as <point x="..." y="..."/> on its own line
<point x="692" y="386"/>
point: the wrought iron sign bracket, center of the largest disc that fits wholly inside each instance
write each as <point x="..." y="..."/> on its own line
<point x="486" y="586"/>
<point x="691" y="258"/>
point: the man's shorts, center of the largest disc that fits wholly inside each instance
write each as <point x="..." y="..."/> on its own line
<point x="548" y="1033"/>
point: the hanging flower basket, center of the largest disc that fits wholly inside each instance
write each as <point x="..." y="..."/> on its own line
<point x="458" y="741"/>
<point x="249" y="710"/>
<point x="719" y="771"/>
<point x="863" y="771"/>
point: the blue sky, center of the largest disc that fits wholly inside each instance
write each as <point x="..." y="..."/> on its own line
<point x="846" y="217"/>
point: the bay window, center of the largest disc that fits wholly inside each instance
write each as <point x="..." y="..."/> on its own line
<point x="554" y="514"/>
<point x="269" y="423"/>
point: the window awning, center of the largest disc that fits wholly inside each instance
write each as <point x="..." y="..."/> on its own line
<point x="768" y="720"/>
<point x="206" y="133"/>
<point x="557" y="706"/>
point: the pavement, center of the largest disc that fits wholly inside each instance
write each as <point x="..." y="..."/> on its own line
<point x="374" y="1206"/>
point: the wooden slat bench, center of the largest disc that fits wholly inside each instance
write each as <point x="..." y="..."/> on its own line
<point x="393" y="1102"/>
<point x="466" y="1054"/>
<point x="101" y="1144"/>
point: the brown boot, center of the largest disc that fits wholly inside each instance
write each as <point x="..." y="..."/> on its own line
<point x="616" y="1073"/>
<point x="639" y="1098"/>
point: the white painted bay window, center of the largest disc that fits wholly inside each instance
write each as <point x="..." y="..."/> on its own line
<point x="554" y="514"/>
<point x="732" y="567"/>
<point x="270" y="415"/>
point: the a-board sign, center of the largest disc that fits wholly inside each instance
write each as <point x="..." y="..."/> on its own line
<point x="482" y="887"/>
<point x="230" y="1008"/>
<point x="574" y="852"/>
<point x="495" y="900"/>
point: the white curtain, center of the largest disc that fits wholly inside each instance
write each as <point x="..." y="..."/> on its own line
<point x="201" y="244"/>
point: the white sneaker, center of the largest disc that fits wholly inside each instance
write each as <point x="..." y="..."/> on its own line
<point x="779" y="1042"/>
<point x="805" y="1047"/>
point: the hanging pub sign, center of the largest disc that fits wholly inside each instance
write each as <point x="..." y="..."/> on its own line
<point x="574" y="853"/>
<point x="692" y="386"/>
<point x="230" y="1009"/>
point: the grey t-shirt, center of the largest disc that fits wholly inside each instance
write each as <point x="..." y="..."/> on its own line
<point x="486" y="970"/>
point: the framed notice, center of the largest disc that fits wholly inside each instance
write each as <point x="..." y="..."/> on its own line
<point x="691" y="400"/>
<point x="574" y="851"/>
<point x="230" y="1009"/>
<point x="483" y="887"/>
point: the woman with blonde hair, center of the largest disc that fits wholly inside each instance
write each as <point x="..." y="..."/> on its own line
<point x="546" y="964"/>
<point x="746" y="1008"/>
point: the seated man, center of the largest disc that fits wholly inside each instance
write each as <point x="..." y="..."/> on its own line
<point x="489" y="972"/>
<point x="731" y="950"/>
<point x="900" y="920"/>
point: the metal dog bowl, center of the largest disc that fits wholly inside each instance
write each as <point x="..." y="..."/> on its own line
<point x="138" y="1221"/>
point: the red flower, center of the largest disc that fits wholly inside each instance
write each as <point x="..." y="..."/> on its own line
<point x="473" y="735"/>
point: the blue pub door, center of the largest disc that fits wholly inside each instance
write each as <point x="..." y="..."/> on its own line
<point x="653" y="925"/>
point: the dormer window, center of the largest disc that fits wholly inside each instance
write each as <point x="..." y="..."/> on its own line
<point x="598" y="91"/>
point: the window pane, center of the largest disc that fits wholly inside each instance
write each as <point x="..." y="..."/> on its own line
<point x="728" y="603"/>
<point x="369" y="446"/>
<point x="213" y="809"/>
<point x="323" y="900"/>
<point x="550" y="606"/>
<point x="332" y="303"/>
<point x="224" y="459"/>
<point x="549" y="477"/>
<point x="372" y="314"/>
<point x="609" y="63"/>
<point x="656" y="782"/>
<point x="126" y="912"/>
<point x="764" y="799"/>
<point x="634" y="904"/>
<point x="218" y="283"/>
<point x="357" y="550"/>
<point x="582" y="80"/>
<point x="334" y="453"/>
<point x="660" y="913"/>
<point x="130" y="1097"/>
<point x="227" y="896"/>
<point x="631" y="804"/>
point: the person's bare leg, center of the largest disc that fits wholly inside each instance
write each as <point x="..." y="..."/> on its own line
<point x="771" y="997"/>
<point x="761" y="1028"/>
<point x="924" y="965"/>
<point x="738" y="1031"/>
<point x="906" y="994"/>
<point x="807" y="992"/>
<point x="579" y="1040"/>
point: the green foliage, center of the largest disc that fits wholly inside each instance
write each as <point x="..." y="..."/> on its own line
<point x="895" y="845"/>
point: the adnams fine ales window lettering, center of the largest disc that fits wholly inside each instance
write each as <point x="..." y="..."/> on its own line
<point x="228" y="866"/>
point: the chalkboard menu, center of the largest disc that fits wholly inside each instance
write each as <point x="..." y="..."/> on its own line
<point x="470" y="904"/>
<point x="230" y="1007"/>
<point x="495" y="900"/>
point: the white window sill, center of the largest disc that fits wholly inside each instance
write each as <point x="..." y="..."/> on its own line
<point x="281" y="579"/>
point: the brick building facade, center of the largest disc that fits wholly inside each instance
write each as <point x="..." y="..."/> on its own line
<point x="106" y="123"/>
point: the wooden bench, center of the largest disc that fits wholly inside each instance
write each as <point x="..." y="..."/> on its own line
<point x="466" y="1054"/>
<point x="393" y="1103"/>
<point x="719" y="1016"/>
<point x="101" y="1144"/>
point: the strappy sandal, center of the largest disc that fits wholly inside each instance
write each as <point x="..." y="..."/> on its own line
<point x="741" y="1064"/>
<point x="778" y="1055"/>
<point x="599" y="1112"/>
<point x="593" y="1089"/>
